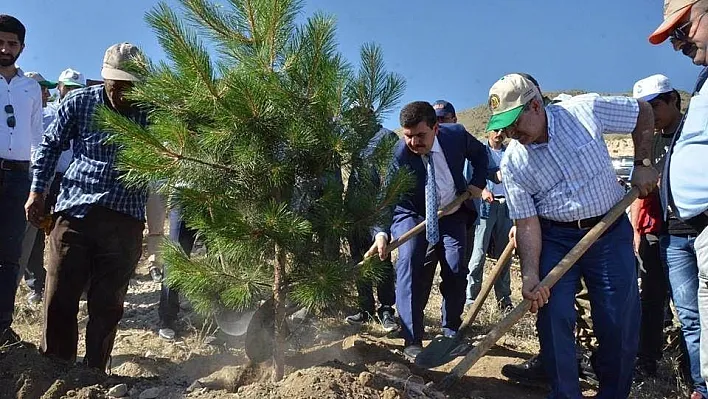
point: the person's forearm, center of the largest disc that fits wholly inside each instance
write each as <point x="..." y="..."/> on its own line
<point x="634" y="213"/>
<point x="528" y="241"/>
<point x="643" y="133"/>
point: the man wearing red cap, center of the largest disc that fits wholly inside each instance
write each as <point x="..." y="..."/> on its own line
<point x="683" y="190"/>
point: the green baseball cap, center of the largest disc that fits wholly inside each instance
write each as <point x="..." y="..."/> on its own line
<point x="40" y="79"/>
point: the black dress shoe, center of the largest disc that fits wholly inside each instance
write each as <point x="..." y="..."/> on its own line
<point x="529" y="372"/>
<point x="412" y="351"/>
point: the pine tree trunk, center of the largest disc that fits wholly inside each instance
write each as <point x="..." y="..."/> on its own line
<point x="279" y="309"/>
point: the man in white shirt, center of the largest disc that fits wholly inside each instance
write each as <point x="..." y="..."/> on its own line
<point x="20" y="133"/>
<point x="32" y="260"/>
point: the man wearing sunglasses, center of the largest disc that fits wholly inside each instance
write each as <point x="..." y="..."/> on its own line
<point x="559" y="183"/>
<point x="684" y="186"/>
<point x="20" y="133"/>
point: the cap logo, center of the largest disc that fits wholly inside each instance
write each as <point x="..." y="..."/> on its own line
<point x="494" y="102"/>
<point x="640" y="89"/>
<point x="438" y="106"/>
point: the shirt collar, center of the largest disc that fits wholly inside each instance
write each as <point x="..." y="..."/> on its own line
<point x="436" y="146"/>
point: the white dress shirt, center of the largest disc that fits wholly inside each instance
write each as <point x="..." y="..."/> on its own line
<point x="443" y="177"/>
<point x="25" y="96"/>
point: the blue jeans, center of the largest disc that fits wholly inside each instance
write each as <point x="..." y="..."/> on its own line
<point x="609" y="270"/>
<point x="169" y="297"/>
<point x="14" y="188"/>
<point x="679" y="255"/>
<point x="496" y="223"/>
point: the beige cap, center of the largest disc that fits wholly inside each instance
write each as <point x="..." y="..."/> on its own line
<point x="507" y="99"/>
<point x="674" y="11"/>
<point x="115" y="62"/>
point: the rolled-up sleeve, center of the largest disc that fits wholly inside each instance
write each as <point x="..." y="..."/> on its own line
<point x="616" y="113"/>
<point x="519" y="201"/>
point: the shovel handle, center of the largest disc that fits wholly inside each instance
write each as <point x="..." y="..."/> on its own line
<point x="551" y="278"/>
<point x="420" y="227"/>
<point x="486" y="288"/>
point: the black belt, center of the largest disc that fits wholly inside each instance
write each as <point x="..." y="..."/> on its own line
<point x="582" y="224"/>
<point x="9" y="165"/>
<point x="698" y="222"/>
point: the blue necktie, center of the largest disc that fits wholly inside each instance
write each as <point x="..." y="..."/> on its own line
<point x="432" y="203"/>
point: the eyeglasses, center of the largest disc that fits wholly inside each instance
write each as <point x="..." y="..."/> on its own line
<point x="512" y="128"/>
<point x="681" y="33"/>
<point x="10" y="111"/>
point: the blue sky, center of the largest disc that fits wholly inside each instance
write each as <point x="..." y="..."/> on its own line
<point x="453" y="50"/>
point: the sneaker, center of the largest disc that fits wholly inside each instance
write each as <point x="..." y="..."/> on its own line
<point x="388" y="321"/>
<point x="34" y="298"/>
<point x="166" y="333"/>
<point x="359" y="318"/>
<point x="156" y="274"/>
<point x="529" y="372"/>
<point x="412" y="351"/>
<point x="9" y="337"/>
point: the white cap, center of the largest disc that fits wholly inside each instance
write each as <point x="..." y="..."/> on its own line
<point x="648" y="88"/>
<point x="561" y="97"/>
<point x="115" y="62"/>
<point x="72" y="77"/>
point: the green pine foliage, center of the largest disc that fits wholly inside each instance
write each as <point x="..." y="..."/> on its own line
<point x="256" y="124"/>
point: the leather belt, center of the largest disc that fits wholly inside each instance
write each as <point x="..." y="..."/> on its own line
<point x="698" y="222"/>
<point x="582" y="224"/>
<point x="10" y="165"/>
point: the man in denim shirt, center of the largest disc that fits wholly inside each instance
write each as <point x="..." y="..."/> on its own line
<point x="494" y="222"/>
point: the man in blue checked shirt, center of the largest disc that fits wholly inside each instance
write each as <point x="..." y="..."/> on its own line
<point x="97" y="236"/>
<point x="559" y="182"/>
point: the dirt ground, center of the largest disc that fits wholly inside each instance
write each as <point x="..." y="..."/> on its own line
<point x="326" y="358"/>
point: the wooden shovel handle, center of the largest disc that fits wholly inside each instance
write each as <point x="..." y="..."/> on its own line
<point x="553" y="276"/>
<point x="486" y="288"/>
<point x="420" y="227"/>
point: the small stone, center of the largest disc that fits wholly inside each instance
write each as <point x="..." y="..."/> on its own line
<point x="195" y="385"/>
<point x="390" y="393"/>
<point x="365" y="378"/>
<point x="118" y="391"/>
<point x="151" y="393"/>
<point x="150" y="355"/>
<point x="316" y="380"/>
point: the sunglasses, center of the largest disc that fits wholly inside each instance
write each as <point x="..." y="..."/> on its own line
<point x="10" y="111"/>
<point x="681" y="33"/>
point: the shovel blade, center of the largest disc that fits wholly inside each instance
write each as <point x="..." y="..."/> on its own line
<point x="440" y="351"/>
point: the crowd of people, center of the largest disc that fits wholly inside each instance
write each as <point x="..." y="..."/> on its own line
<point x="541" y="180"/>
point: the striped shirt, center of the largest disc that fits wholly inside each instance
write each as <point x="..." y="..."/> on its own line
<point x="92" y="178"/>
<point x="571" y="176"/>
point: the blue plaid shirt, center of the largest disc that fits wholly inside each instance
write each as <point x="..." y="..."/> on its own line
<point x="92" y="178"/>
<point x="571" y="176"/>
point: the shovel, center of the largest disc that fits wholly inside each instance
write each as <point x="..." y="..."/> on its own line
<point x="553" y="276"/>
<point x="441" y="350"/>
<point x="260" y="332"/>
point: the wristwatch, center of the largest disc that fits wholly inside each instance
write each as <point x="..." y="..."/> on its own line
<point x="642" y="162"/>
